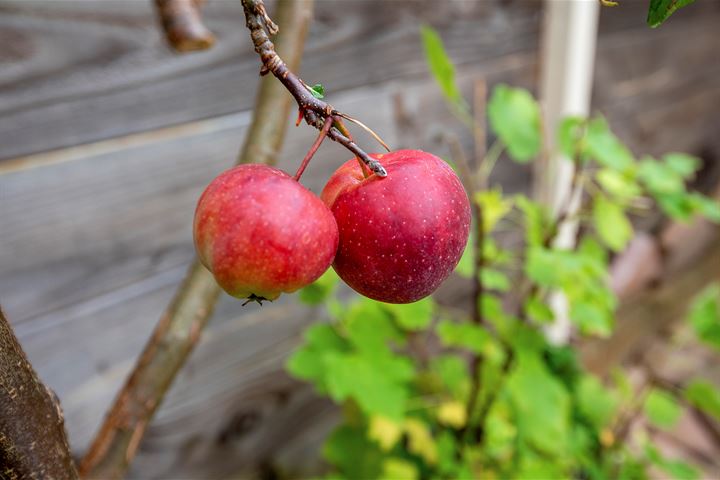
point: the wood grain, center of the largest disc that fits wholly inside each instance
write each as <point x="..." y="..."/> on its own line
<point x="94" y="70"/>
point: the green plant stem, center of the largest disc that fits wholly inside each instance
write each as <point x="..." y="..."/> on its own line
<point x="493" y="155"/>
<point x="179" y="329"/>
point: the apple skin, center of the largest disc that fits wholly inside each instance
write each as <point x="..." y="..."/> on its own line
<point x="400" y="236"/>
<point x="261" y="233"/>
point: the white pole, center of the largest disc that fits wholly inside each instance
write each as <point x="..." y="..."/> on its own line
<point x="567" y="61"/>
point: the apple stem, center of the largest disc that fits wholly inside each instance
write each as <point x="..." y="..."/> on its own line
<point x="341" y="126"/>
<point x="315" y="111"/>
<point x="323" y="133"/>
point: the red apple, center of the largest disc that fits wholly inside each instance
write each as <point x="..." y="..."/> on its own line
<point x="261" y="233"/>
<point x="400" y="236"/>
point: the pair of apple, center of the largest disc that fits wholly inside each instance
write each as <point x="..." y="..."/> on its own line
<point x="393" y="239"/>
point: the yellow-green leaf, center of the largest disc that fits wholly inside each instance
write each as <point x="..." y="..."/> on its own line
<point x="384" y="431"/>
<point x="493" y="206"/>
<point x="611" y="223"/>
<point x="452" y="413"/>
<point x="420" y="440"/>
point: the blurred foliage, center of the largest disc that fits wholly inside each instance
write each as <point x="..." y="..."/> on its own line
<point x="403" y="373"/>
<point x="660" y="10"/>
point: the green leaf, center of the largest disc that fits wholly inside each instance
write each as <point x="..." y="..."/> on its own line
<point x="538" y="311"/>
<point x="318" y="291"/>
<point x="447" y="457"/>
<point x="412" y="316"/>
<point x="611" y="224"/>
<point x="570" y="132"/>
<point x="495" y="280"/>
<point x="677" y="206"/>
<point x="369" y="327"/>
<point x="377" y="384"/>
<point x="493" y="206"/>
<point x="706" y="206"/>
<point x="603" y="146"/>
<point x="618" y="184"/>
<point x="453" y="374"/>
<point x="441" y="66"/>
<point x="704" y="315"/>
<point x="662" y="409"/>
<point x="353" y="453"/>
<point x="500" y="431"/>
<point x="660" y="10"/>
<point x="464" y="335"/>
<point x="683" y="164"/>
<point x="596" y="403"/>
<point x="677" y="469"/>
<point x="659" y="178"/>
<point x="317" y="90"/>
<point x="492" y="309"/>
<point x="399" y="469"/>
<point x="536" y="220"/>
<point x="541" y="405"/>
<point x="535" y="467"/>
<point x="704" y="396"/>
<point x="466" y="265"/>
<point x="515" y="117"/>
<point x="592" y="318"/>
<point x="592" y="252"/>
<point x="421" y="441"/>
<point x="307" y="362"/>
<point x="549" y="268"/>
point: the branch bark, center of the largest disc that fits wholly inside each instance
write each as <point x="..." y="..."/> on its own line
<point x="33" y="443"/>
<point x="314" y="110"/>
<point x="179" y="328"/>
<point x="183" y="25"/>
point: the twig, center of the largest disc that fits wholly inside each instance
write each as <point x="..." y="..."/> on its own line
<point x="478" y="289"/>
<point x="323" y="133"/>
<point x="33" y="443"/>
<point x="314" y="110"/>
<point x="179" y="328"/>
<point x="183" y="25"/>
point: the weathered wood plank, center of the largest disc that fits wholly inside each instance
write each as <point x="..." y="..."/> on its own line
<point x="83" y="71"/>
<point x="105" y="221"/>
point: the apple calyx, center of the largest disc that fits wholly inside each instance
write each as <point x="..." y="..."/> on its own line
<point x="255" y="298"/>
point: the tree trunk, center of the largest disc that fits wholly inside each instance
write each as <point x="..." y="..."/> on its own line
<point x="33" y="443"/>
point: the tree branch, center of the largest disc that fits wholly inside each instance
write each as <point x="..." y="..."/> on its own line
<point x="314" y="110"/>
<point x="183" y="25"/>
<point x="179" y="328"/>
<point x="33" y="443"/>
